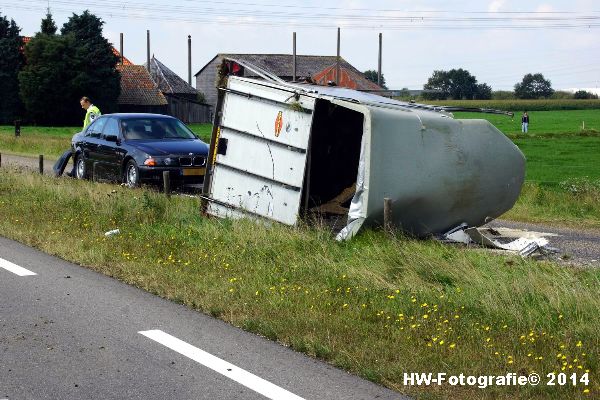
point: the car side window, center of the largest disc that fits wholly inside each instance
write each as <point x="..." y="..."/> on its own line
<point x="89" y="129"/>
<point x="111" y="128"/>
<point x="95" y="129"/>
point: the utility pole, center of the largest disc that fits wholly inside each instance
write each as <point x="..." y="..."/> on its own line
<point x="190" y="59"/>
<point x="148" y="48"/>
<point x="294" y="61"/>
<point x="379" y="77"/>
<point x="338" y="62"/>
<point x="121" y="48"/>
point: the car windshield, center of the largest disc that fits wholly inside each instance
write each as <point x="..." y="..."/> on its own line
<point x="155" y="129"/>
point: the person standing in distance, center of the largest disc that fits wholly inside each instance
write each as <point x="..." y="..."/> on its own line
<point x="525" y="122"/>
<point x="92" y="112"/>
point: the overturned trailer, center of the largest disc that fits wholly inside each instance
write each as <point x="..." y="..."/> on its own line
<point x="283" y="151"/>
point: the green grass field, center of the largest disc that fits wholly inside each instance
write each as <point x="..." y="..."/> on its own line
<point x="542" y="122"/>
<point x="377" y="306"/>
<point x="556" y="148"/>
<point x="522" y="105"/>
<point x="52" y="141"/>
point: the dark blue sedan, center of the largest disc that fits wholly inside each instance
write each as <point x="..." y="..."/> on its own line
<point x="137" y="148"/>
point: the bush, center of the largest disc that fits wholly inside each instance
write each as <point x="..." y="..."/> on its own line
<point x="503" y="95"/>
<point x="583" y="94"/>
<point x="561" y="94"/>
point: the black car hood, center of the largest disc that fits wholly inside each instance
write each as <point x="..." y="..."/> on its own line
<point x="170" y="146"/>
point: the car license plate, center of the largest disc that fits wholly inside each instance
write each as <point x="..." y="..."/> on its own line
<point x="194" y="171"/>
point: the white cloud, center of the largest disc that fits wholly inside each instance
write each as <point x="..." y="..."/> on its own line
<point x="496" y="5"/>
<point x="545" y="8"/>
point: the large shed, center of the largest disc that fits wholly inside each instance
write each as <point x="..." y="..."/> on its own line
<point x="281" y="65"/>
<point x="181" y="97"/>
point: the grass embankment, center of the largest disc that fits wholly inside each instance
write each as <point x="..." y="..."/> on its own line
<point x="53" y="141"/>
<point x="377" y="306"/>
<point x="574" y="203"/>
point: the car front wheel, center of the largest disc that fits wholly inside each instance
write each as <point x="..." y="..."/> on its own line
<point x="80" y="168"/>
<point x="132" y="174"/>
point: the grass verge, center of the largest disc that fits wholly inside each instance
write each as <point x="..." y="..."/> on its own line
<point x="574" y="203"/>
<point x="377" y="306"/>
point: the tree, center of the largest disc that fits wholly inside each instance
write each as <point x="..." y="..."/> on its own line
<point x="63" y="68"/>
<point x="456" y="84"/>
<point x="11" y="62"/>
<point x="46" y="78"/>
<point x="372" y="76"/>
<point x="483" y="92"/>
<point x="94" y="62"/>
<point x="533" y="86"/>
<point x="584" y="94"/>
<point x="404" y="94"/>
<point x="48" y="26"/>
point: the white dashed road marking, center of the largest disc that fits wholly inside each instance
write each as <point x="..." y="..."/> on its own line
<point x="239" y="375"/>
<point x="15" y="269"/>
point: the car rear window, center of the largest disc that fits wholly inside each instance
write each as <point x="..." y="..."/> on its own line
<point x="155" y="129"/>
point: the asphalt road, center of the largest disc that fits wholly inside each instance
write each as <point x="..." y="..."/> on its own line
<point x="32" y="163"/>
<point x="576" y="247"/>
<point x="70" y="333"/>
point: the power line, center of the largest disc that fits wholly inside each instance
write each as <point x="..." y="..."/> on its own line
<point x="249" y="20"/>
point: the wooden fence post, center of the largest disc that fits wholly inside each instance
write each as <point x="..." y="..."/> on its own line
<point x="167" y="183"/>
<point x="41" y="164"/>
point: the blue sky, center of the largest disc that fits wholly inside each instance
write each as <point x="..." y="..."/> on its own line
<point x="496" y="40"/>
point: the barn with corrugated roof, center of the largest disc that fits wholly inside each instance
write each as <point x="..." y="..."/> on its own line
<point x="317" y="68"/>
<point x="182" y="98"/>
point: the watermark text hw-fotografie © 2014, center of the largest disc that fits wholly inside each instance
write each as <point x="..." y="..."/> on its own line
<point x="484" y="381"/>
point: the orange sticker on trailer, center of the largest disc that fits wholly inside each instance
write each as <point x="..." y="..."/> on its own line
<point x="278" y="123"/>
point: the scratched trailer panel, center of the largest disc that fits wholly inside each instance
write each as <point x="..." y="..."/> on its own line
<point x="262" y="169"/>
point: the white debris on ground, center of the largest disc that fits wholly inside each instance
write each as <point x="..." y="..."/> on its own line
<point x="113" y="232"/>
<point x="522" y="242"/>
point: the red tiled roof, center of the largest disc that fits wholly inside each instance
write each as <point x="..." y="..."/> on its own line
<point x="125" y="60"/>
<point x="348" y="78"/>
<point x="138" y="88"/>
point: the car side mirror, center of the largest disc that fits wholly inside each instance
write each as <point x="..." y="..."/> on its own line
<point x="111" y="138"/>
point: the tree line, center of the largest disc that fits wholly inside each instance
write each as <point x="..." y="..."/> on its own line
<point x="460" y="84"/>
<point x="41" y="81"/>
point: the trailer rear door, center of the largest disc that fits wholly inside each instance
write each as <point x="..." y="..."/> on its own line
<point x="261" y="148"/>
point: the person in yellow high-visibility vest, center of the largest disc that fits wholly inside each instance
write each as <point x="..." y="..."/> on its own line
<point x="92" y="112"/>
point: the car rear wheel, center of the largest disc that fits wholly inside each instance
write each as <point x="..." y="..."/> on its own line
<point x="132" y="174"/>
<point x="80" y="168"/>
